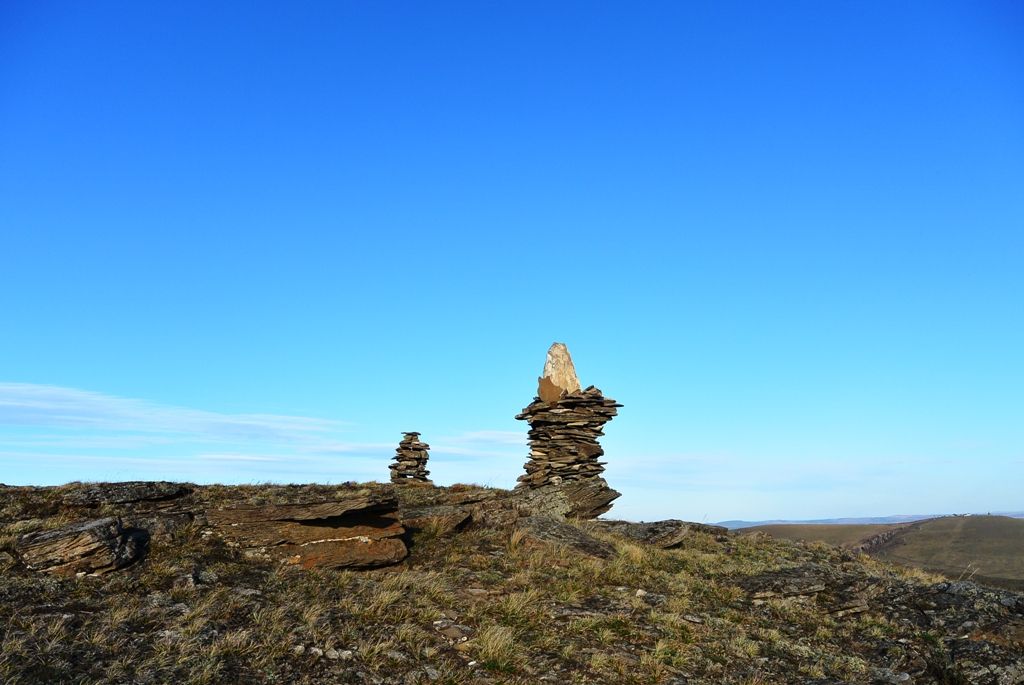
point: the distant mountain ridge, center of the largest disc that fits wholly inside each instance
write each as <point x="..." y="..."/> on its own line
<point x="895" y="518"/>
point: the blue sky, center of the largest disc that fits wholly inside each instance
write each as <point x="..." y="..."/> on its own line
<point x="256" y="241"/>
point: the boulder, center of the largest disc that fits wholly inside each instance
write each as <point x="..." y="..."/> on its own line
<point x="96" y="547"/>
<point x="582" y="499"/>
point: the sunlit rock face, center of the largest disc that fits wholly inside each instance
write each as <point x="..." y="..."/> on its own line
<point x="559" y="374"/>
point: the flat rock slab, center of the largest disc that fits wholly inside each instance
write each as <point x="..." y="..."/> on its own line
<point x="128" y="492"/>
<point x="666" y="534"/>
<point x="362" y="530"/>
<point x="356" y="552"/>
<point x="96" y="547"/>
<point x="441" y="519"/>
<point x="549" y="530"/>
<point x="305" y="511"/>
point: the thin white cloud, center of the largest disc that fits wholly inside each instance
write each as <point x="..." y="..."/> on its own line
<point x="328" y="447"/>
<point x="49" y="406"/>
<point x="483" y="443"/>
<point x="239" y="457"/>
<point x="516" y="438"/>
<point x="57" y="433"/>
<point x="87" y="442"/>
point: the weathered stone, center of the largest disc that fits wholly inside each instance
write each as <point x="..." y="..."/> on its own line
<point x="664" y="534"/>
<point x="362" y="530"/>
<point x="582" y="499"/>
<point x="97" y="547"/>
<point x="161" y="524"/>
<point x="439" y="520"/>
<point x="95" y="494"/>
<point x="362" y="500"/>
<point x="559" y="374"/>
<point x="549" y="530"/>
<point x="268" y="533"/>
<point x="357" y="552"/>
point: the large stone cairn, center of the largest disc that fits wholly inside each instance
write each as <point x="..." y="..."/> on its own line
<point x="565" y="423"/>
<point x="410" y="460"/>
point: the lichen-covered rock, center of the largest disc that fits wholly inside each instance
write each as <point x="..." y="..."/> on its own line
<point x="581" y="499"/>
<point x="96" y="547"/>
<point x="977" y="633"/>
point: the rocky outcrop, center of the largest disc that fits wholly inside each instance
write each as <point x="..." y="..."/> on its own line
<point x="881" y="540"/>
<point x="410" y="465"/>
<point x="158" y="507"/>
<point x="668" y="534"/>
<point x="128" y="492"/>
<point x="362" y="530"/>
<point x="977" y="633"/>
<point x="94" y="547"/>
<point x="719" y="608"/>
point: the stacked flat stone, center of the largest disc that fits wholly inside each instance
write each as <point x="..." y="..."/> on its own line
<point x="410" y="460"/>
<point x="563" y="436"/>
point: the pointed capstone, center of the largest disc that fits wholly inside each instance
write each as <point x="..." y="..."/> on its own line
<point x="559" y="374"/>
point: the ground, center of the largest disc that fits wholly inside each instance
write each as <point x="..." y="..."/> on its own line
<point x="489" y="604"/>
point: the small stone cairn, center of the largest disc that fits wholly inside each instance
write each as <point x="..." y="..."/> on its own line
<point x="565" y="423"/>
<point x="410" y="460"/>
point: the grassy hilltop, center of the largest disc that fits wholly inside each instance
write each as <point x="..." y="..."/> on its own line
<point x="479" y="599"/>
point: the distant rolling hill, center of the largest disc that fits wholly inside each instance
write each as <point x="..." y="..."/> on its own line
<point x="840" y="534"/>
<point x="896" y="518"/>
<point x="988" y="549"/>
